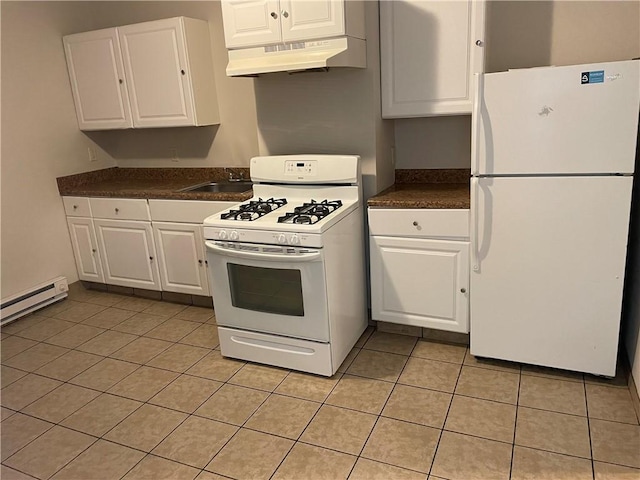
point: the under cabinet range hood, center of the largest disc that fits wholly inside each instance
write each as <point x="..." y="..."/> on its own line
<point x="298" y="56"/>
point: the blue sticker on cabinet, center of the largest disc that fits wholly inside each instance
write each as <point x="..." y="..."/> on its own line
<point x="597" y="76"/>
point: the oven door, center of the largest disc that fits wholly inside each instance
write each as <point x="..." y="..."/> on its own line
<point x="270" y="289"/>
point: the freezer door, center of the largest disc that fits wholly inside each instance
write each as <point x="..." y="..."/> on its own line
<point x="549" y="121"/>
<point x="548" y="259"/>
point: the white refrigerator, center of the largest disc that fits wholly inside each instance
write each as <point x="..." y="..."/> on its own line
<point x="553" y="153"/>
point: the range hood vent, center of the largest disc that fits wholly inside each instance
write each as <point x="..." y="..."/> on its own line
<point x="298" y="56"/>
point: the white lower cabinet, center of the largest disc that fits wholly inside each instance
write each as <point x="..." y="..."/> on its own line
<point x="85" y="249"/>
<point x="177" y="226"/>
<point x="181" y="258"/>
<point x="128" y="253"/>
<point x="416" y="280"/>
<point x="148" y="244"/>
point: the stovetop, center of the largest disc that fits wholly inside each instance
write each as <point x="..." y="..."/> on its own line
<point x="253" y="209"/>
<point x="295" y="198"/>
<point x="311" y="212"/>
<point x="287" y="214"/>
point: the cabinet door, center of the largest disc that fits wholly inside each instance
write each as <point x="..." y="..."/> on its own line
<point x="250" y="23"/>
<point x="420" y="282"/>
<point x="429" y="51"/>
<point x="128" y="253"/>
<point x="311" y="19"/>
<point x="156" y="65"/>
<point x="181" y="258"/>
<point x="85" y="249"/>
<point x="97" y="80"/>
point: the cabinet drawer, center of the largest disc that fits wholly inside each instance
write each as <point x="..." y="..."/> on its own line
<point x="185" y="211"/>
<point x="120" y="208"/>
<point x="76" y="206"/>
<point x="419" y="222"/>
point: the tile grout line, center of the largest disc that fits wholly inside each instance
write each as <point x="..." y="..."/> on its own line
<point x="226" y="382"/>
<point x="515" y="425"/>
<point x="395" y="383"/>
<point x="271" y="393"/>
<point x="586" y="405"/>
<point x="54" y="424"/>
<point x="444" y="421"/>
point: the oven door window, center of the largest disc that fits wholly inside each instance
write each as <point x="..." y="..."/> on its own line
<point x="269" y="290"/>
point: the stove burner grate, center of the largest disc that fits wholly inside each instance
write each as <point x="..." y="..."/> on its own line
<point x="254" y="209"/>
<point x="310" y="213"/>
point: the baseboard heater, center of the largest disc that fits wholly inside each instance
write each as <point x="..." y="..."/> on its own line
<point x="33" y="299"/>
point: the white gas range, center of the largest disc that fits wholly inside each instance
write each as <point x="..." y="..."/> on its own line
<point x="287" y="266"/>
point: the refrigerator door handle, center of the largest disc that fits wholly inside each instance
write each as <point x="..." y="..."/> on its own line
<point x="475" y="247"/>
<point x="475" y="123"/>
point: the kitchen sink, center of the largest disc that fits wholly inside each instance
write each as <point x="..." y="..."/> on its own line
<point x="220" y="187"/>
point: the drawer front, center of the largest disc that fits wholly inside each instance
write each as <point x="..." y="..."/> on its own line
<point x="185" y="211"/>
<point x="422" y="223"/>
<point x="76" y="206"/>
<point x="120" y="208"/>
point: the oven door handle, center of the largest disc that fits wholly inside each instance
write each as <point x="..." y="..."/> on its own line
<point x="303" y="257"/>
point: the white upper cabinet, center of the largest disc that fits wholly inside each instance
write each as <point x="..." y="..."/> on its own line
<point x="429" y="52"/>
<point x="311" y="19"/>
<point x="162" y="70"/>
<point x="97" y="80"/>
<point x="250" y="23"/>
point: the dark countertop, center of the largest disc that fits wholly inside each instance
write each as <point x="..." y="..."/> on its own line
<point x="426" y="189"/>
<point x="162" y="183"/>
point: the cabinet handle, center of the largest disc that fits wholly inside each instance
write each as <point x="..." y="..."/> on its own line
<point x="151" y="258"/>
<point x="120" y="81"/>
<point x="182" y="72"/>
<point x="479" y="43"/>
<point x="274" y="15"/>
<point x="285" y="14"/>
<point x="463" y="290"/>
<point x="117" y="210"/>
<point x="93" y="250"/>
<point x="75" y="207"/>
<point x="206" y="262"/>
<point x="200" y="262"/>
<point x="415" y="224"/>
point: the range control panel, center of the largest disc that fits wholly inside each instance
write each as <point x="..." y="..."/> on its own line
<point x="301" y="168"/>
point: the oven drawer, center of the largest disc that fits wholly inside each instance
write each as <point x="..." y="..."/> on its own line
<point x="409" y="222"/>
<point x="76" y="206"/>
<point x="120" y="208"/>
<point x="307" y="356"/>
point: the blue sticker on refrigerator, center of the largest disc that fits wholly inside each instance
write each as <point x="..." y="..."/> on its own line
<point x="597" y="76"/>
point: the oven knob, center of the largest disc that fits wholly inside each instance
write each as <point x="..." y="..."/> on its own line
<point x="282" y="238"/>
<point x="233" y="235"/>
<point x="222" y="235"/>
<point x="294" y="239"/>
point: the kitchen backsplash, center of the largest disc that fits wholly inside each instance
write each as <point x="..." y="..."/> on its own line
<point x="441" y="175"/>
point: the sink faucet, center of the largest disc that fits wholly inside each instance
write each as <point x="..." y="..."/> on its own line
<point x="233" y="175"/>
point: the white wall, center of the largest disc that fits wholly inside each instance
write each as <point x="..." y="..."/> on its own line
<point x="41" y="140"/>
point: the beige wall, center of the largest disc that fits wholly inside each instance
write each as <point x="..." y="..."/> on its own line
<point x="330" y="112"/>
<point x="524" y="34"/>
<point x="232" y="143"/>
<point x="41" y="140"/>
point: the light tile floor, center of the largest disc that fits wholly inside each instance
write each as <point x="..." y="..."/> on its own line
<point x="103" y="386"/>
